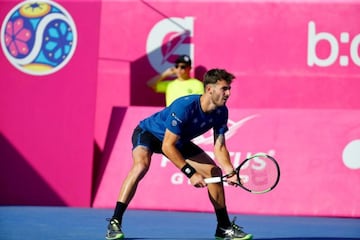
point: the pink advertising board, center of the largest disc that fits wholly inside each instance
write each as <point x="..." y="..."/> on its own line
<point x="318" y="153"/>
<point x="47" y="101"/>
<point x="285" y="54"/>
<point x="296" y="96"/>
<point x="297" y="68"/>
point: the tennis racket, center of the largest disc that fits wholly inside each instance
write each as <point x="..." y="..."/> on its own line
<point x="259" y="173"/>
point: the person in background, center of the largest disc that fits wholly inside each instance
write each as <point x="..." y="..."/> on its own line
<point x="182" y="85"/>
<point x="169" y="132"/>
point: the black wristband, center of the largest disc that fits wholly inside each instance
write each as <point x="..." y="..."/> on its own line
<point x="188" y="170"/>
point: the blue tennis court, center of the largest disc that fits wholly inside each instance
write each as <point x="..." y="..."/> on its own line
<point x="66" y="223"/>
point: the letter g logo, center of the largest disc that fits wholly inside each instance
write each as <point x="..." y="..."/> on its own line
<point x="168" y="39"/>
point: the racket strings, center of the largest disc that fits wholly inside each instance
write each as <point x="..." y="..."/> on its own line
<point x="259" y="174"/>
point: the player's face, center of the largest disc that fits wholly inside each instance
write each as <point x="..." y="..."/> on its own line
<point x="220" y="92"/>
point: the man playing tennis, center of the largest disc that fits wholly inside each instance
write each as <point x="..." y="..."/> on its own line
<point x="170" y="132"/>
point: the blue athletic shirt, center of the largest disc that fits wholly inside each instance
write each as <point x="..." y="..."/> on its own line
<point x="184" y="117"/>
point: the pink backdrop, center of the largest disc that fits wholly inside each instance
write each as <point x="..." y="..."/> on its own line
<point x="47" y="122"/>
<point x="288" y="50"/>
<point x="67" y="134"/>
<point x="294" y="67"/>
<point x="315" y="176"/>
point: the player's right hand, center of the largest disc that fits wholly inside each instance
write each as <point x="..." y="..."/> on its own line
<point x="197" y="180"/>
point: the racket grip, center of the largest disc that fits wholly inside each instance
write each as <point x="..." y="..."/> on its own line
<point x="213" y="180"/>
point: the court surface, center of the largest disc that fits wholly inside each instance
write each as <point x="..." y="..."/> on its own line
<point x="88" y="223"/>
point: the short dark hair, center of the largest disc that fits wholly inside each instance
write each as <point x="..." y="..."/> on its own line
<point x="214" y="75"/>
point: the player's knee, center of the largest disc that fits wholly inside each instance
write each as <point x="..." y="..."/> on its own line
<point x="141" y="167"/>
<point x="216" y="171"/>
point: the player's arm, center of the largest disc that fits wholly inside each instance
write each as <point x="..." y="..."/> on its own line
<point x="222" y="155"/>
<point x="160" y="77"/>
<point x="173" y="154"/>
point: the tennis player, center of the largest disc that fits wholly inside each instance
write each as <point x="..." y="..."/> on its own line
<point x="170" y="132"/>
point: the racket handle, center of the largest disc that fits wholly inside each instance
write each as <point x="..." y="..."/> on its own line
<point x="213" y="180"/>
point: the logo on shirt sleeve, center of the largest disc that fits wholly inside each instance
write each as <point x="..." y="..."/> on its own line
<point x="176" y="120"/>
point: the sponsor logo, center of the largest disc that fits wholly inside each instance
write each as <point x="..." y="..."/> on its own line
<point x="327" y="45"/>
<point x="351" y="155"/>
<point x="178" y="178"/>
<point x="176" y="117"/>
<point x="236" y="158"/>
<point x="38" y="37"/>
<point x="233" y="127"/>
<point x="168" y="39"/>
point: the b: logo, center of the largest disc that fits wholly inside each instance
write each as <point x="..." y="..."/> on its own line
<point x="315" y="38"/>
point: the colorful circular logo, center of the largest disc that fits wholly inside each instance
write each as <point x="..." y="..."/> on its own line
<point x="38" y="37"/>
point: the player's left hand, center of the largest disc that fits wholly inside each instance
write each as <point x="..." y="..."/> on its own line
<point x="233" y="181"/>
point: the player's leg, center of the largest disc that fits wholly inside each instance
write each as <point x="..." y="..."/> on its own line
<point x="207" y="168"/>
<point x="141" y="155"/>
<point x="141" y="163"/>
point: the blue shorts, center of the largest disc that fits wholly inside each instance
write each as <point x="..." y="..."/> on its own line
<point x="145" y="138"/>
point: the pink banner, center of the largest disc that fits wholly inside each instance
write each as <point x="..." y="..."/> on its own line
<point x="317" y="151"/>
<point x="286" y="54"/>
<point x="63" y="72"/>
<point x="48" y="84"/>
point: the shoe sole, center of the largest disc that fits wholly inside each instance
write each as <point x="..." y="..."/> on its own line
<point x="119" y="236"/>
<point x="247" y="237"/>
